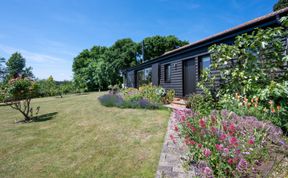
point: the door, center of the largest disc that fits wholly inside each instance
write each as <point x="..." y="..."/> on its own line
<point x="189" y="77"/>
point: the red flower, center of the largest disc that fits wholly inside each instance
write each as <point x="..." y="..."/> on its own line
<point x="233" y="140"/>
<point x="251" y="141"/>
<point x="224" y="127"/>
<point x="213" y="129"/>
<point x="230" y="161"/>
<point x="202" y="123"/>
<point x="232" y="127"/>
<point x="206" y="152"/>
<point x="219" y="147"/>
<point x="199" y="145"/>
<point x="176" y="128"/>
<point x="190" y="126"/>
<point x="173" y="138"/>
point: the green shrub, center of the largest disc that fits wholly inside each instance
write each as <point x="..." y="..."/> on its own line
<point x="169" y="96"/>
<point x="200" y="104"/>
<point x="18" y="94"/>
<point x="262" y="109"/>
<point x="151" y="93"/>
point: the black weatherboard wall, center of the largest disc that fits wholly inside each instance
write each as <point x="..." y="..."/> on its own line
<point x="185" y="61"/>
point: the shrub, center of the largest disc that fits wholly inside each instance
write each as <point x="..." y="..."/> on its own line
<point x="168" y="97"/>
<point x="224" y="144"/>
<point x="151" y="93"/>
<point x="113" y="89"/>
<point x="111" y="100"/>
<point x="199" y="103"/>
<point x="18" y="94"/>
<point x="264" y="110"/>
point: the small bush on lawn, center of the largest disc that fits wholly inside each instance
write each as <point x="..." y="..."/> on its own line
<point x="224" y="144"/>
<point x="111" y="100"/>
<point x="18" y="94"/>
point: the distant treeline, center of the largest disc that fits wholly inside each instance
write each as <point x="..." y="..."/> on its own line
<point x="99" y="67"/>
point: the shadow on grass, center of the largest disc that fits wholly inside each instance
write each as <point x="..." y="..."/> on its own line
<point x="45" y="117"/>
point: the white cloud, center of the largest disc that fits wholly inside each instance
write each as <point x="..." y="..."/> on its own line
<point x="37" y="57"/>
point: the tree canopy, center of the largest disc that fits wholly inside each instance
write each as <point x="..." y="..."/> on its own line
<point x="16" y="66"/>
<point x="157" y="45"/>
<point x="100" y="66"/>
<point x="281" y="4"/>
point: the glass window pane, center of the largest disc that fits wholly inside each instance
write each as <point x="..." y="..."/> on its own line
<point x="206" y="62"/>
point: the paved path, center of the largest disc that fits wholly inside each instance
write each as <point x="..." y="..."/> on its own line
<point x="170" y="164"/>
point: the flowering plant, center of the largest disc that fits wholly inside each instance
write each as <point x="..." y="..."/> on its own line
<point x="270" y="110"/>
<point x="229" y="145"/>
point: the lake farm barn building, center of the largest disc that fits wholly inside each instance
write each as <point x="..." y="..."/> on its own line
<point x="180" y="69"/>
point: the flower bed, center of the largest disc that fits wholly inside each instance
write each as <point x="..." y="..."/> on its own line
<point x="148" y="97"/>
<point x="224" y="144"/>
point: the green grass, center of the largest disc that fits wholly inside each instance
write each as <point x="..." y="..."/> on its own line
<point x="81" y="138"/>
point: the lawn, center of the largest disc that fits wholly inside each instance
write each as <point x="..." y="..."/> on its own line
<point x="77" y="137"/>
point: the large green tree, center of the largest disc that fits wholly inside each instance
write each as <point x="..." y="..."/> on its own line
<point x="157" y="45"/>
<point x="16" y="66"/>
<point x="281" y="4"/>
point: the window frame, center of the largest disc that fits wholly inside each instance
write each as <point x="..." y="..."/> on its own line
<point x="201" y="64"/>
<point x="167" y="76"/>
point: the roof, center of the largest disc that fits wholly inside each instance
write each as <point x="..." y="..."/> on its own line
<point x="226" y="32"/>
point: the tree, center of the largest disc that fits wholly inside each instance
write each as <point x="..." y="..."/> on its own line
<point x="18" y="95"/>
<point x="3" y="69"/>
<point x="156" y="46"/>
<point x="281" y="4"/>
<point x="16" y="66"/>
<point x="99" y="67"/>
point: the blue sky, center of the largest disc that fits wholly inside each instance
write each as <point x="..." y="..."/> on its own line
<point x="49" y="34"/>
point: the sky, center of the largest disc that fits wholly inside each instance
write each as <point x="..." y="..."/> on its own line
<point x="49" y="34"/>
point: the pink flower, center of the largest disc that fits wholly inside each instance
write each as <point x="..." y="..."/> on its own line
<point x="233" y="140"/>
<point x="202" y="123"/>
<point x="207" y="171"/>
<point x="213" y="129"/>
<point x="219" y="147"/>
<point x="199" y="145"/>
<point x="231" y="129"/>
<point x="230" y="161"/>
<point x="226" y="150"/>
<point x="173" y="138"/>
<point x="206" y="152"/>
<point x="190" y="126"/>
<point x="251" y="141"/>
<point x="176" y="128"/>
<point x="223" y="136"/>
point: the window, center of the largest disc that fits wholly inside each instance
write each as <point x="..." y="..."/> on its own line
<point x="204" y="63"/>
<point x="144" y="76"/>
<point x="167" y="70"/>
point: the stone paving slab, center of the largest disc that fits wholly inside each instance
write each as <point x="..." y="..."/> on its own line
<point x="170" y="164"/>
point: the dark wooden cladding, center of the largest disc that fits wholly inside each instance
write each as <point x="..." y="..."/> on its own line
<point x="155" y="74"/>
<point x="195" y="51"/>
